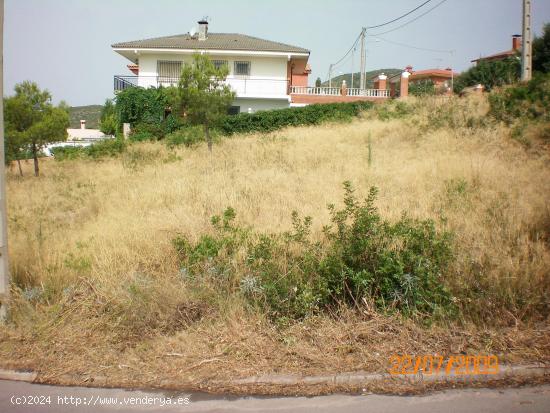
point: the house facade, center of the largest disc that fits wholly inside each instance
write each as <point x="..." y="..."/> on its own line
<point x="260" y="71"/>
<point x="263" y="74"/>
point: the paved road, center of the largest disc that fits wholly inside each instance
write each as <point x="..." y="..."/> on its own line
<point x="58" y="399"/>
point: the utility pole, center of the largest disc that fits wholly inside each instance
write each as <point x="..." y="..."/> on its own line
<point x="4" y="269"/>
<point x="330" y="75"/>
<point x="363" y="59"/>
<point x="526" y="55"/>
<point x="352" y="66"/>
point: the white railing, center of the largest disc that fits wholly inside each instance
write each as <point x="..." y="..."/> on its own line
<point x="321" y="91"/>
<point x="336" y="91"/>
<point x="374" y="93"/>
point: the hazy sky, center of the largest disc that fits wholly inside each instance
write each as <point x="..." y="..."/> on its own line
<point x="64" y="45"/>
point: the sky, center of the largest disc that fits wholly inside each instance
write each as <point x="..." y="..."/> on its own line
<point x="65" y="45"/>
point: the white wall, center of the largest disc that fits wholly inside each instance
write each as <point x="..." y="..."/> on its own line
<point x="268" y="74"/>
<point x="260" y="104"/>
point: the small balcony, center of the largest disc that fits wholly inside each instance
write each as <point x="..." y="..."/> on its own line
<point x="244" y="87"/>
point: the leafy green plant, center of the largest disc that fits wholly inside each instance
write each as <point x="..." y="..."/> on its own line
<point x="399" y="266"/>
<point x="269" y="121"/>
<point x="188" y="136"/>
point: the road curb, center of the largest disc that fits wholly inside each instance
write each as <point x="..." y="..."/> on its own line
<point x="15" y="375"/>
<point x="523" y="372"/>
<point x="358" y="378"/>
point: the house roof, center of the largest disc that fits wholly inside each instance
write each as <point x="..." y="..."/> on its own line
<point x="422" y="74"/>
<point x="214" y="41"/>
<point x="500" y="55"/>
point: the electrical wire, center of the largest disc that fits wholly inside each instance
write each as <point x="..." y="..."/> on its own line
<point x="351" y="48"/>
<point x="411" y="21"/>
<point x="413" y="47"/>
<point x="400" y="17"/>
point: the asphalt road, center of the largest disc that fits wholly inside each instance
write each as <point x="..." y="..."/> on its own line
<point x="17" y="396"/>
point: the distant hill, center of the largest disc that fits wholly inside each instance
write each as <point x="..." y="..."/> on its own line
<point x="337" y="80"/>
<point x="90" y="113"/>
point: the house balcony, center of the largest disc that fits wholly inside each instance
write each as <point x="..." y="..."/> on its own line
<point x="244" y="87"/>
<point x="266" y="88"/>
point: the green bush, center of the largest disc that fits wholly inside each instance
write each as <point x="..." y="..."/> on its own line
<point x="104" y="148"/>
<point x="527" y="101"/>
<point x="397" y="266"/>
<point x="188" y="136"/>
<point x="268" y="121"/>
<point x="489" y="74"/>
<point x="422" y="88"/>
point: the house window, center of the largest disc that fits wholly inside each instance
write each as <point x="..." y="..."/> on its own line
<point x="168" y="71"/>
<point x="242" y="68"/>
<point x="220" y="63"/>
<point x="234" y="110"/>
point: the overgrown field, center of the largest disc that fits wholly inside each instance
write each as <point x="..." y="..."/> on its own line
<point x="419" y="228"/>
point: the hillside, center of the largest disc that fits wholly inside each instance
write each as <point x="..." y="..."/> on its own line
<point x="90" y="113"/>
<point x="337" y="80"/>
<point x="121" y="274"/>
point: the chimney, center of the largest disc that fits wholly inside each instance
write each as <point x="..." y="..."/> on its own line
<point x="516" y="42"/>
<point x="82" y="124"/>
<point x="203" y="29"/>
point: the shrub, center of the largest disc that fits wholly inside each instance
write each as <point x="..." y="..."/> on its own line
<point x="188" y="136"/>
<point x="268" y="121"/>
<point x="527" y="101"/>
<point x="398" y="266"/>
<point x="105" y="148"/>
<point x="490" y="74"/>
<point x="422" y="88"/>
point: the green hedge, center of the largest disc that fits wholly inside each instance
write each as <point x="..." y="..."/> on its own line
<point x="268" y="121"/>
<point x="102" y="149"/>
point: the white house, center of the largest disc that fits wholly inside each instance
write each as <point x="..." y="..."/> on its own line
<point x="261" y="72"/>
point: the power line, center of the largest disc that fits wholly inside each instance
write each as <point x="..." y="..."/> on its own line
<point x="413" y="47"/>
<point x="351" y="48"/>
<point x="400" y="17"/>
<point x="413" y="20"/>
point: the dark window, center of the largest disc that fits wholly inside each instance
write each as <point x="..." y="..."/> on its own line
<point x="242" y="68"/>
<point x="220" y="63"/>
<point x="168" y="71"/>
<point x="234" y="110"/>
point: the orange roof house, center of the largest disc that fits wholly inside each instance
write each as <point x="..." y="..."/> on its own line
<point x="516" y="48"/>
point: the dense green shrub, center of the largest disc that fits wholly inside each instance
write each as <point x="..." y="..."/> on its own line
<point x="530" y="100"/>
<point x="108" y="121"/>
<point x="188" y="136"/>
<point x="141" y="105"/>
<point x="397" y="266"/>
<point x="490" y="74"/>
<point x="422" y="88"/>
<point x="102" y="149"/>
<point x="268" y="121"/>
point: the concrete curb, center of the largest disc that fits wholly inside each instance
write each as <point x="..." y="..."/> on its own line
<point x="14" y="375"/>
<point x="358" y="378"/>
<point x="531" y="371"/>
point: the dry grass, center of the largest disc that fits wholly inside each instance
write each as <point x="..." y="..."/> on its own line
<point x="99" y="285"/>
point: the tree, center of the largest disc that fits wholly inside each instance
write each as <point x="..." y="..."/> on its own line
<point x="32" y="121"/>
<point x="203" y="96"/>
<point x="490" y="74"/>
<point x="541" y="51"/>
<point x="108" y="120"/>
<point x="318" y="82"/>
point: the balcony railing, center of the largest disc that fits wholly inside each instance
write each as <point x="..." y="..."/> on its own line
<point x="243" y="86"/>
<point x="336" y="91"/>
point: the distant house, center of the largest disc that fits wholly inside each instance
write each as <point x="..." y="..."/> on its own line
<point x="516" y="48"/>
<point x="264" y="74"/>
<point x="84" y="134"/>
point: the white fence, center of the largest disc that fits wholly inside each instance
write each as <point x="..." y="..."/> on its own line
<point x="336" y="91"/>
